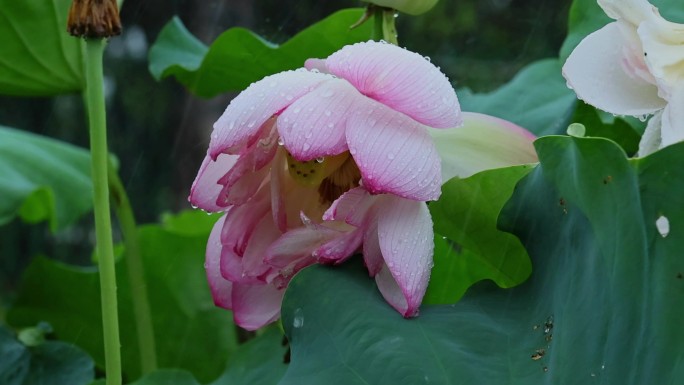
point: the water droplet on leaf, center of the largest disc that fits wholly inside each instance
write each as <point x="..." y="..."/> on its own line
<point x="663" y="226"/>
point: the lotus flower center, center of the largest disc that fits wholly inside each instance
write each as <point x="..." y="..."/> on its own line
<point x="333" y="175"/>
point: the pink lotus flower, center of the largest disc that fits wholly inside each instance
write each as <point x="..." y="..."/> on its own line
<point x="317" y="164"/>
<point x="351" y="128"/>
<point x="633" y="66"/>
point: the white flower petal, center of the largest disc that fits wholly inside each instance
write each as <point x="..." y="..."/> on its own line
<point x="594" y="70"/>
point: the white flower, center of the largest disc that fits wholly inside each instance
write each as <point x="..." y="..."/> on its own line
<point x="634" y="66"/>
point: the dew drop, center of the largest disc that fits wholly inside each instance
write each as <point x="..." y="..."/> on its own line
<point x="296" y="110"/>
<point x="281" y="142"/>
<point x="663" y="226"/>
<point x="390" y="156"/>
<point x="328" y="113"/>
<point x="320" y="159"/>
<point x="306" y="146"/>
<point x="298" y="320"/>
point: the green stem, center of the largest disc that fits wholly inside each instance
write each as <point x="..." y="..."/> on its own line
<point x="136" y="273"/>
<point x="377" y="24"/>
<point x="103" y="225"/>
<point x="384" y="26"/>
<point x="389" y="31"/>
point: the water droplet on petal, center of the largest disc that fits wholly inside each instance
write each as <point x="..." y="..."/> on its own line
<point x="281" y="142"/>
<point x="320" y="159"/>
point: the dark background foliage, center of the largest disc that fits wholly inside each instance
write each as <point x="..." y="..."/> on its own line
<point x="159" y="132"/>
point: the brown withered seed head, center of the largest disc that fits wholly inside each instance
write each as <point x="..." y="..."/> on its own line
<point x="94" y="19"/>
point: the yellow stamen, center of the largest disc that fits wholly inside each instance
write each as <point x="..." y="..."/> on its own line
<point x="312" y="172"/>
<point x="333" y="175"/>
